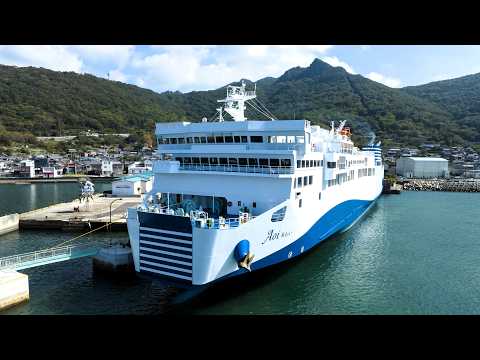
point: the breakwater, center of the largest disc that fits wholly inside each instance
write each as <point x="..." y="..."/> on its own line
<point x="455" y="185"/>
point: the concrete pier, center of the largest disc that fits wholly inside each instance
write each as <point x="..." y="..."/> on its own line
<point x="9" y="223"/>
<point x="76" y="216"/>
<point x="115" y="259"/>
<point x="455" y="185"/>
<point x="13" y="288"/>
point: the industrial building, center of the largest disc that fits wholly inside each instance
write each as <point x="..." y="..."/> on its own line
<point x="422" y="167"/>
<point x="132" y="185"/>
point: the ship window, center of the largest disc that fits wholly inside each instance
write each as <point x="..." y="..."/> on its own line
<point x="311" y="163"/>
<point x="281" y="139"/>
<point x="310" y="180"/>
<point x="303" y="163"/>
<point x="189" y="140"/>
<point x="286" y="162"/>
<point x="256" y="139"/>
<point x="274" y="162"/>
<point x="232" y="161"/>
<point x="252" y="162"/>
<point x="228" y="139"/>
<point x="321" y="162"/>
<point x="294" y="183"/>
<point x="305" y="179"/>
<point x="219" y="139"/>
<point x="236" y="139"/>
<point x="307" y="163"/>
<point x="272" y="139"/>
<point x="299" y="202"/>
<point x="196" y="140"/>
<point x="299" y="181"/>
<point x="319" y="196"/>
<point x="331" y="164"/>
<point x="223" y="161"/>
<point x="244" y="139"/>
<point x="213" y="161"/>
<point x="290" y="139"/>
<point x="173" y="140"/>
<point x="242" y="161"/>
<point x="263" y="162"/>
<point x="239" y="203"/>
<point x="254" y="204"/>
<point x="179" y="159"/>
<point x="299" y="163"/>
<point x="166" y="141"/>
<point x="187" y="160"/>
<point x="203" y="140"/>
<point x="211" y="139"/>
<point x="181" y="140"/>
<point x="195" y="160"/>
<point x="204" y="160"/>
<point x="279" y="215"/>
<point x="300" y="139"/>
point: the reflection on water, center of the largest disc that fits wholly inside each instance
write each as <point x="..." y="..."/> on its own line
<point x="414" y="253"/>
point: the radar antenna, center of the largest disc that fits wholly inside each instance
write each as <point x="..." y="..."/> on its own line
<point x="235" y="101"/>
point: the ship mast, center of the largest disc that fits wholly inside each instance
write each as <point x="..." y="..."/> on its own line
<point x="235" y="101"/>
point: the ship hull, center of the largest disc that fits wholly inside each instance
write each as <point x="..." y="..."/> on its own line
<point x="211" y="262"/>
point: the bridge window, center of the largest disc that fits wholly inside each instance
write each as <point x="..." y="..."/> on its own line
<point x="242" y="161"/>
<point x="204" y="160"/>
<point x="223" y="161"/>
<point x="173" y="140"/>
<point x="256" y="139"/>
<point x="252" y="162"/>
<point x="274" y="162"/>
<point x="254" y="204"/>
<point x="300" y="139"/>
<point x="286" y="162"/>
<point x="189" y="140"/>
<point x="232" y="161"/>
<point x="181" y="140"/>
<point x="213" y="161"/>
<point x="229" y="139"/>
<point x="219" y="139"/>
<point x="203" y="140"/>
<point x="244" y="139"/>
<point x="236" y="139"/>
<point x="195" y="160"/>
<point x="211" y="139"/>
<point x="263" y="162"/>
<point x="331" y="164"/>
<point x="187" y="160"/>
<point x="179" y="159"/>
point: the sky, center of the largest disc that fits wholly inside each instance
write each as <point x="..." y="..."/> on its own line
<point x="203" y="67"/>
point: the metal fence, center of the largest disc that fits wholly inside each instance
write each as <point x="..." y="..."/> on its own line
<point x="271" y="170"/>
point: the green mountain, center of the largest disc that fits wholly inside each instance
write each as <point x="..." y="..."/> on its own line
<point x="44" y="102"/>
<point x="460" y="97"/>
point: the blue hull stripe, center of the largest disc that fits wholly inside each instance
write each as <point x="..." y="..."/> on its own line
<point x="173" y="236"/>
<point x="335" y="220"/>
<point x="167" y="256"/>
<point x="162" y="262"/>
<point x="166" y="242"/>
<point x="160" y="247"/>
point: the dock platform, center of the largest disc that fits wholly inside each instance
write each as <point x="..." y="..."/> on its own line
<point x="91" y="215"/>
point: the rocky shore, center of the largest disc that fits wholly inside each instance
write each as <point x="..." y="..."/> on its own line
<point x="457" y="185"/>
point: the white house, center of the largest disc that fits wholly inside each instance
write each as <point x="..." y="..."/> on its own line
<point x="27" y="168"/>
<point x="422" y="167"/>
<point x="139" y="167"/>
<point x="132" y="186"/>
<point x="52" y="172"/>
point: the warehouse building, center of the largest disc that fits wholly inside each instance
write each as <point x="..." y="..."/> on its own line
<point x="422" y="167"/>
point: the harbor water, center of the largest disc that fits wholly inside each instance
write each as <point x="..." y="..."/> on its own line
<point x="414" y="253"/>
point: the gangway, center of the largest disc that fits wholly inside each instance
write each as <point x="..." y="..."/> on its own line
<point x="49" y="256"/>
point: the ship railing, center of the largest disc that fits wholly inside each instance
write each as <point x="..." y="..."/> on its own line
<point x="251" y="169"/>
<point x="224" y="224"/>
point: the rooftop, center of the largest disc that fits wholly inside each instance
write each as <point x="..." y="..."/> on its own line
<point x="427" y="159"/>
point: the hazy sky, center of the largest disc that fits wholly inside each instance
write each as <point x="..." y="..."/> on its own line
<point x="203" y="67"/>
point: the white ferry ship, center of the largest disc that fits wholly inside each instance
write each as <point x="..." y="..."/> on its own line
<point x="230" y="197"/>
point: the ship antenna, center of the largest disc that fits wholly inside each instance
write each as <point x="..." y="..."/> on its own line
<point x="235" y="101"/>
